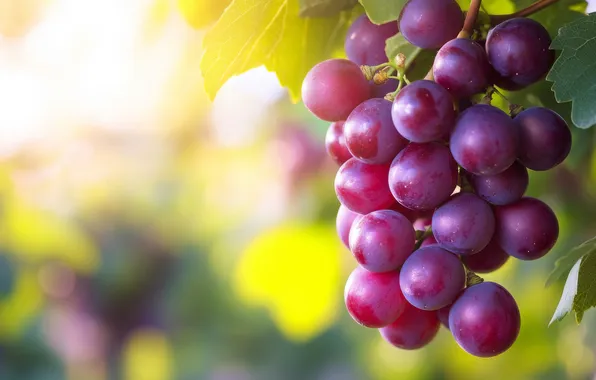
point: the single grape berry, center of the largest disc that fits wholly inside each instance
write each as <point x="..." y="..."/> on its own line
<point x="343" y="223"/>
<point x="545" y="139"/>
<point x="485" y="320"/>
<point x="423" y="176"/>
<point x="413" y="329"/>
<point x="461" y="67"/>
<point x="370" y="134"/>
<point x="485" y="140"/>
<point x="428" y="24"/>
<point x="365" y="41"/>
<point x="380" y="90"/>
<point x="374" y="299"/>
<point x="423" y="112"/>
<point x="382" y="240"/>
<point x="503" y="188"/>
<point x="363" y="188"/>
<point x="518" y="50"/>
<point x="464" y="224"/>
<point x="335" y="143"/>
<point x="333" y="88"/>
<point x="443" y="315"/>
<point x="491" y="258"/>
<point x="431" y="278"/>
<point x="526" y="229"/>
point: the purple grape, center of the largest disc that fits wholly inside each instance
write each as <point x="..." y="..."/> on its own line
<point x="365" y="41"/>
<point x="545" y="139"/>
<point x="485" y="140"/>
<point x="363" y="188"/>
<point x="343" y="223"/>
<point x="503" y="188"/>
<point x="374" y="299"/>
<point x="443" y="315"/>
<point x="410" y="214"/>
<point x="370" y="134"/>
<point x="428" y="24"/>
<point x="380" y="90"/>
<point x="526" y="229"/>
<point x="423" y="112"/>
<point x="413" y="329"/>
<point x="423" y="176"/>
<point x="464" y="224"/>
<point x="333" y="88"/>
<point x="382" y="240"/>
<point x="518" y="50"/>
<point x="461" y="67"/>
<point x="335" y="143"/>
<point x="485" y="320"/>
<point x="429" y="241"/>
<point x="491" y="258"/>
<point x="431" y="278"/>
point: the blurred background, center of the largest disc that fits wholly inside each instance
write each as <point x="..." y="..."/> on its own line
<point x="147" y="233"/>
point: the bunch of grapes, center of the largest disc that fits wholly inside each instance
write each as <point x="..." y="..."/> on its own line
<point x="432" y="176"/>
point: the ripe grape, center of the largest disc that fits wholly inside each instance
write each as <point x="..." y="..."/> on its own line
<point x="429" y="241"/>
<point x="464" y="224"/>
<point x="335" y="143"/>
<point x="374" y="299"/>
<point x="370" y="134"/>
<point x="485" y="320"/>
<point x="491" y="258"/>
<point x="503" y="188"/>
<point x="526" y="229"/>
<point x="423" y="176"/>
<point x="428" y="24"/>
<point x="461" y="67"/>
<point x="363" y="188"/>
<point x="343" y="223"/>
<point x="382" y="240"/>
<point x="423" y="112"/>
<point x="518" y="50"/>
<point x="545" y="139"/>
<point x="365" y="41"/>
<point x="333" y="88"/>
<point x="380" y="90"/>
<point x="443" y="315"/>
<point x="413" y="329"/>
<point x="431" y="278"/>
<point x="485" y="140"/>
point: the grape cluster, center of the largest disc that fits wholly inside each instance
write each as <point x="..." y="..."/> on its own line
<point x="432" y="181"/>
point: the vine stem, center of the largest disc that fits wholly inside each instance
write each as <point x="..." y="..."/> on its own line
<point x="537" y="6"/>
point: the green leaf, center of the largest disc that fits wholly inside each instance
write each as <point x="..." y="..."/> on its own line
<point x="569" y="291"/>
<point x="324" y="8"/>
<point x="586" y="287"/>
<point x="251" y="33"/>
<point x="383" y="11"/>
<point x="418" y="60"/>
<point x="573" y="74"/>
<point x="200" y="13"/>
<point x="565" y="263"/>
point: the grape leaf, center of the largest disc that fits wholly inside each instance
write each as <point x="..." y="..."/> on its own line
<point x="382" y="11"/>
<point x="418" y="60"/>
<point x="251" y="33"/>
<point x="200" y="13"/>
<point x="324" y="8"/>
<point x="573" y="74"/>
<point x="565" y="263"/>
<point x="579" y="293"/>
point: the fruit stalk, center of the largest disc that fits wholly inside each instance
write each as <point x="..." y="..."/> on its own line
<point x="470" y="20"/>
<point x="530" y="10"/>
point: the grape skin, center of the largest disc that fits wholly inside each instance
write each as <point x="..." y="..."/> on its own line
<point x="485" y="320"/>
<point x="461" y="67"/>
<point x="343" y="223"/>
<point x="370" y="134"/>
<point x="365" y="41"/>
<point x="423" y="112"/>
<point x="491" y="258"/>
<point x="443" y="315"/>
<point x="526" y="229"/>
<point x="363" y="188"/>
<point x="503" y="188"/>
<point x="374" y="299"/>
<point x="335" y="143"/>
<point x="382" y="240"/>
<point x="333" y="88"/>
<point x="518" y="50"/>
<point x="423" y="176"/>
<point x="428" y="24"/>
<point x="485" y="140"/>
<point x="431" y="278"/>
<point x="545" y="138"/>
<point x="412" y="330"/>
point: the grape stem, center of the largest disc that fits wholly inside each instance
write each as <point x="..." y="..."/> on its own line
<point x="470" y="20"/>
<point x="428" y="232"/>
<point x="537" y="6"/>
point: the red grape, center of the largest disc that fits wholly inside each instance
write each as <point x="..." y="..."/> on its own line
<point x="365" y="41"/>
<point x="503" y="188"/>
<point x="443" y="315"/>
<point x="343" y="223"/>
<point x="430" y="23"/>
<point x="491" y="258"/>
<point x="413" y="329"/>
<point x="335" y="143"/>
